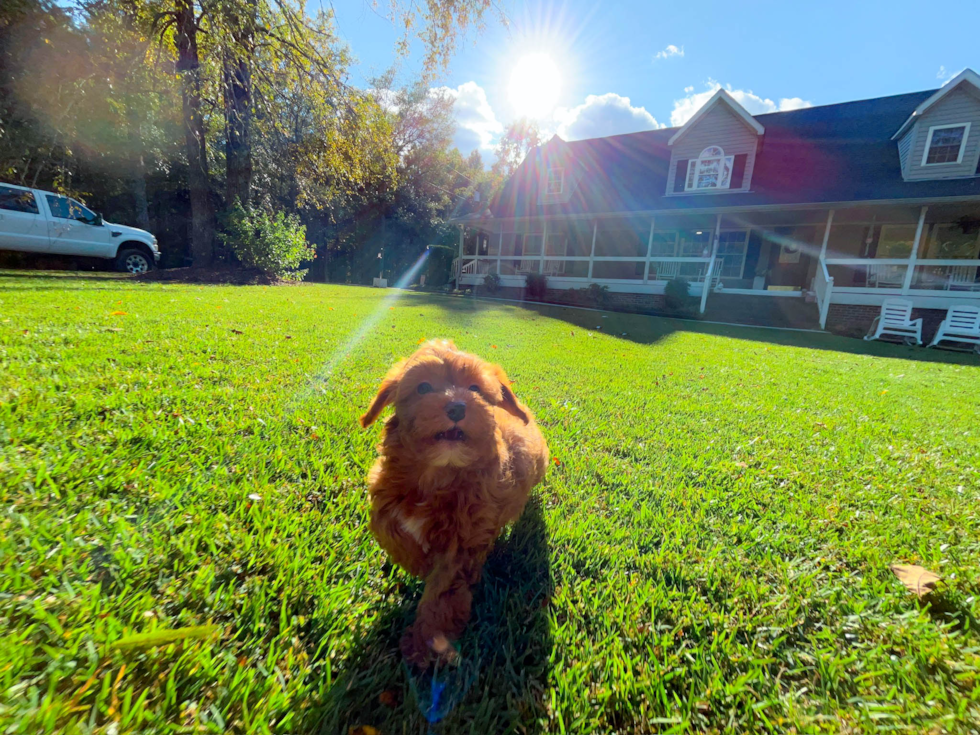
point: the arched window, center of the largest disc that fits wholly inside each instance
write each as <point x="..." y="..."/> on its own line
<point x="711" y="170"/>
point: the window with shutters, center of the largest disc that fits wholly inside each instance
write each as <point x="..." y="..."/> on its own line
<point x="711" y="170"/>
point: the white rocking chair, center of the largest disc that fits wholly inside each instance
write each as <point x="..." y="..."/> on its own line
<point x="896" y="321"/>
<point x="962" y="324"/>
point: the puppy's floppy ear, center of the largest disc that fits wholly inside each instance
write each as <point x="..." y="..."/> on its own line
<point x="508" y="401"/>
<point x="386" y="394"/>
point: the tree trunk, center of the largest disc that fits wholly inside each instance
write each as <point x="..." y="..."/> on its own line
<point x="198" y="181"/>
<point x="238" y="110"/>
<point x="139" y="194"/>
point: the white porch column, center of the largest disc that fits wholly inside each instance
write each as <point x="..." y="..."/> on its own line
<point x="595" y="228"/>
<point x="459" y="259"/>
<point x="914" y="256"/>
<point x="711" y="264"/>
<point x="544" y="245"/>
<point x="646" y="266"/>
<point x="826" y="235"/>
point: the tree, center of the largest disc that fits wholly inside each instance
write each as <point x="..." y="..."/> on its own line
<point x="517" y="141"/>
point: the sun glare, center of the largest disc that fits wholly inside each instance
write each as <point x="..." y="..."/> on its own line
<point x="534" y="86"/>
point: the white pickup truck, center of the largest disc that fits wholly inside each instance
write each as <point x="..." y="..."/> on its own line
<point x="35" y="221"/>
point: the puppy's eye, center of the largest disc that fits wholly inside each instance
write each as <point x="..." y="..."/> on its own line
<point x="475" y="388"/>
<point x="424" y="388"/>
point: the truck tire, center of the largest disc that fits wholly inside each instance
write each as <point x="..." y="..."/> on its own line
<point x="133" y="260"/>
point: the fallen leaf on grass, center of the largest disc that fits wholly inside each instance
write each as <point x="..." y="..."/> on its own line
<point x="289" y="336"/>
<point x="237" y="331"/>
<point x="741" y="464"/>
<point x="362" y="730"/>
<point x="917" y="580"/>
<point x="388" y="698"/>
<point x="118" y="313"/>
<point x="166" y="636"/>
<point x="494" y="346"/>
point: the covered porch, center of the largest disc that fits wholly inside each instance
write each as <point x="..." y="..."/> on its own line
<point x="855" y="255"/>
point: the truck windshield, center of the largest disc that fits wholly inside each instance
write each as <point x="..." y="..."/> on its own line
<point x="65" y="208"/>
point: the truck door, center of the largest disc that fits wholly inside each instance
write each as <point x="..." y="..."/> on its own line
<point x="22" y="226"/>
<point x="76" y="229"/>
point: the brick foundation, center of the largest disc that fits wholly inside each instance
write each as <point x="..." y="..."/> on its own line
<point x="636" y="303"/>
<point x="854" y="320"/>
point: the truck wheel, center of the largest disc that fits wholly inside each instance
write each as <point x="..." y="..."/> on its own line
<point x="131" y="260"/>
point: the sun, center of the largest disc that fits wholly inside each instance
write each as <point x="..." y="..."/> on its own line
<point x="535" y="85"/>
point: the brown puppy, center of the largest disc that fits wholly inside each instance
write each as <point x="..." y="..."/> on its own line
<point x="458" y="460"/>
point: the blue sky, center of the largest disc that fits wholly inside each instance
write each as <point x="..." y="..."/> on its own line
<point x="627" y="66"/>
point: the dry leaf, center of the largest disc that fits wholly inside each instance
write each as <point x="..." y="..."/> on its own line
<point x="237" y="331"/>
<point x="494" y="346"/>
<point x="918" y="580"/>
<point x="118" y="313"/>
<point x="741" y="464"/>
<point x="388" y="698"/>
<point x="289" y="336"/>
<point x="362" y="730"/>
<point x="420" y="341"/>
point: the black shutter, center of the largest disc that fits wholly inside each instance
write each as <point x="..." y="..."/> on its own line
<point x="738" y="171"/>
<point x="680" y="175"/>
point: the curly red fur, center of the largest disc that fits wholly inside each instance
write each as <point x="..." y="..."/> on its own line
<point x="438" y="505"/>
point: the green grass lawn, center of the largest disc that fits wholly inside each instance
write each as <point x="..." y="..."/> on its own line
<point x="708" y="553"/>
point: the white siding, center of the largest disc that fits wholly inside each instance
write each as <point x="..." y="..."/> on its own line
<point x="719" y="127"/>
<point x="959" y="106"/>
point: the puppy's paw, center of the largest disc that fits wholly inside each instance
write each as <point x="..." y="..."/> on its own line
<point x="420" y="652"/>
<point x="414" y="649"/>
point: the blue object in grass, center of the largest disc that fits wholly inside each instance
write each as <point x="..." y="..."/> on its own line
<point x="446" y="693"/>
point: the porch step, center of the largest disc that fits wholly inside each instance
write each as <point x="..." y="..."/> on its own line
<point x="765" y="311"/>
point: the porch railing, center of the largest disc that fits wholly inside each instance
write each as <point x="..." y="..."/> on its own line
<point x="707" y="281"/>
<point x="823" y="288"/>
<point x="904" y="275"/>
<point x="657" y="268"/>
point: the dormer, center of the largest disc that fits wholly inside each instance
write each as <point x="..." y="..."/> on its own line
<point x="557" y="173"/>
<point x="941" y="138"/>
<point x="714" y="153"/>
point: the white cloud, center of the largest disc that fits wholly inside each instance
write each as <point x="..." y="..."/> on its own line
<point x="685" y="107"/>
<point x="947" y="76"/>
<point x="671" y="50"/>
<point x="476" y="124"/>
<point x="601" y="115"/>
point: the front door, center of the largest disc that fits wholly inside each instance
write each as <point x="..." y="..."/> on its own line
<point x="21" y="225"/>
<point x="74" y="229"/>
<point x="789" y="259"/>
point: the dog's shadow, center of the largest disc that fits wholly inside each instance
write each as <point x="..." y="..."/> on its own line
<point x="501" y="680"/>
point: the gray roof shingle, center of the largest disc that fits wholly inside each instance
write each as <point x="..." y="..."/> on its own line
<point x="832" y="153"/>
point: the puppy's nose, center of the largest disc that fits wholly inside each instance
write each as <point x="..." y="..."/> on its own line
<point x="456" y="410"/>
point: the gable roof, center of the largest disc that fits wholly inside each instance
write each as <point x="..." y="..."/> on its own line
<point x="816" y="155"/>
<point x="719" y="97"/>
<point x="967" y="76"/>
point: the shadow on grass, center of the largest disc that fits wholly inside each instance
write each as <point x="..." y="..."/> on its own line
<point x="502" y="678"/>
<point x="645" y="329"/>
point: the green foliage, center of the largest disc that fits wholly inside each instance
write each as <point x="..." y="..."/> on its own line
<point x="536" y="286"/>
<point x="274" y="243"/>
<point x="598" y="295"/>
<point x="677" y="296"/>
<point x="709" y="552"/>
<point x="516" y="142"/>
<point x="491" y="283"/>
